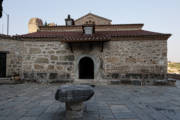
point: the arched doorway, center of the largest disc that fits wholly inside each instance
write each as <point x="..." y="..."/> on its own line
<point x="86" y="68"/>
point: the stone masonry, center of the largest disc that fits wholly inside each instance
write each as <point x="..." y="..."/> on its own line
<point x="53" y="61"/>
<point x="14" y="50"/>
<point x="89" y="18"/>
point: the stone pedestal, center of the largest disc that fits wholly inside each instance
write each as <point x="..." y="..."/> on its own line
<point x="74" y="96"/>
<point x="74" y="111"/>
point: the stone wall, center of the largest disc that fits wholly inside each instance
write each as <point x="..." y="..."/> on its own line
<point x="47" y="61"/>
<point x="174" y="76"/>
<point x="90" y="19"/>
<point x="125" y="59"/>
<point x="135" y="59"/>
<point x="14" y="50"/>
<point x="52" y="61"/>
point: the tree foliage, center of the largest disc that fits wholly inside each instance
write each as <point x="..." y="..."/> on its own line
<point x="1" y="8"/>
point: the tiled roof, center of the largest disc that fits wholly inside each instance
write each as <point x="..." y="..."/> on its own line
<point x="97" y="36"/>
<point x="79" y="36"/>
<point x="133" y="33"/>
<point x="69" y="36"/>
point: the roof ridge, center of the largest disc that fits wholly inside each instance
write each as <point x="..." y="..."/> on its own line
<point x="95" y="25"/>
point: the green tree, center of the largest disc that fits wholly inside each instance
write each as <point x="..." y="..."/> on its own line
<point x="1" y="8"/>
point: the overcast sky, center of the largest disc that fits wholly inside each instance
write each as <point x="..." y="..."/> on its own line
<point x="157" y="15"/>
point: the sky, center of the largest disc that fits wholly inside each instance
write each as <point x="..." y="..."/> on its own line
<point x="156" y="15"/>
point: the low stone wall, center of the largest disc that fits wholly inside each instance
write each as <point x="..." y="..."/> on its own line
<point x="132" y="78"/>
<point x="175" y="76"/>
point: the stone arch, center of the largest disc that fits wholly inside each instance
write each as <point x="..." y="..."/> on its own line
<point x="96" y="62"/>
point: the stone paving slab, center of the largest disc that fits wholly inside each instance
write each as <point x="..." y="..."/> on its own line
<point x="113" y="102"/>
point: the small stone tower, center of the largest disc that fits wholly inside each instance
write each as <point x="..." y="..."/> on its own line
<point x="34" y="24"/>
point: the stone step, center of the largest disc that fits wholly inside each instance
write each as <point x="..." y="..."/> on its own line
<point x="84" y="82"/>
<point x="89" y="82"/>
<point x="6" y="80"/>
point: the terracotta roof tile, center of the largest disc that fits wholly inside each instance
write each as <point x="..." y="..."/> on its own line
<point x="97" y="36"/>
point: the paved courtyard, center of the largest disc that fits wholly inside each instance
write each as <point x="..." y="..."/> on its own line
<point x="113" y="102"/>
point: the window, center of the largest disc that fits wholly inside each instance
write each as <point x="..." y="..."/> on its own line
<point x="69" y="22"/>
<point x="88" y="30"/>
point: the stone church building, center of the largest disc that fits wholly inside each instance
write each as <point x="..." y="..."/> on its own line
<point x="88" y="49"/>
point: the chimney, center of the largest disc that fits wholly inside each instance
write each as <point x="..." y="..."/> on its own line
<point x="69" y="21"/>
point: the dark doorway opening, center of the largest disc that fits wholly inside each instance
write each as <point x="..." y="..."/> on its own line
<point x="2" y="64"/>
<point x="86" y="68"/>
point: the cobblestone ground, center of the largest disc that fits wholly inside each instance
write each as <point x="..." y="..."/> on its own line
<point x="112" y="102"/>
